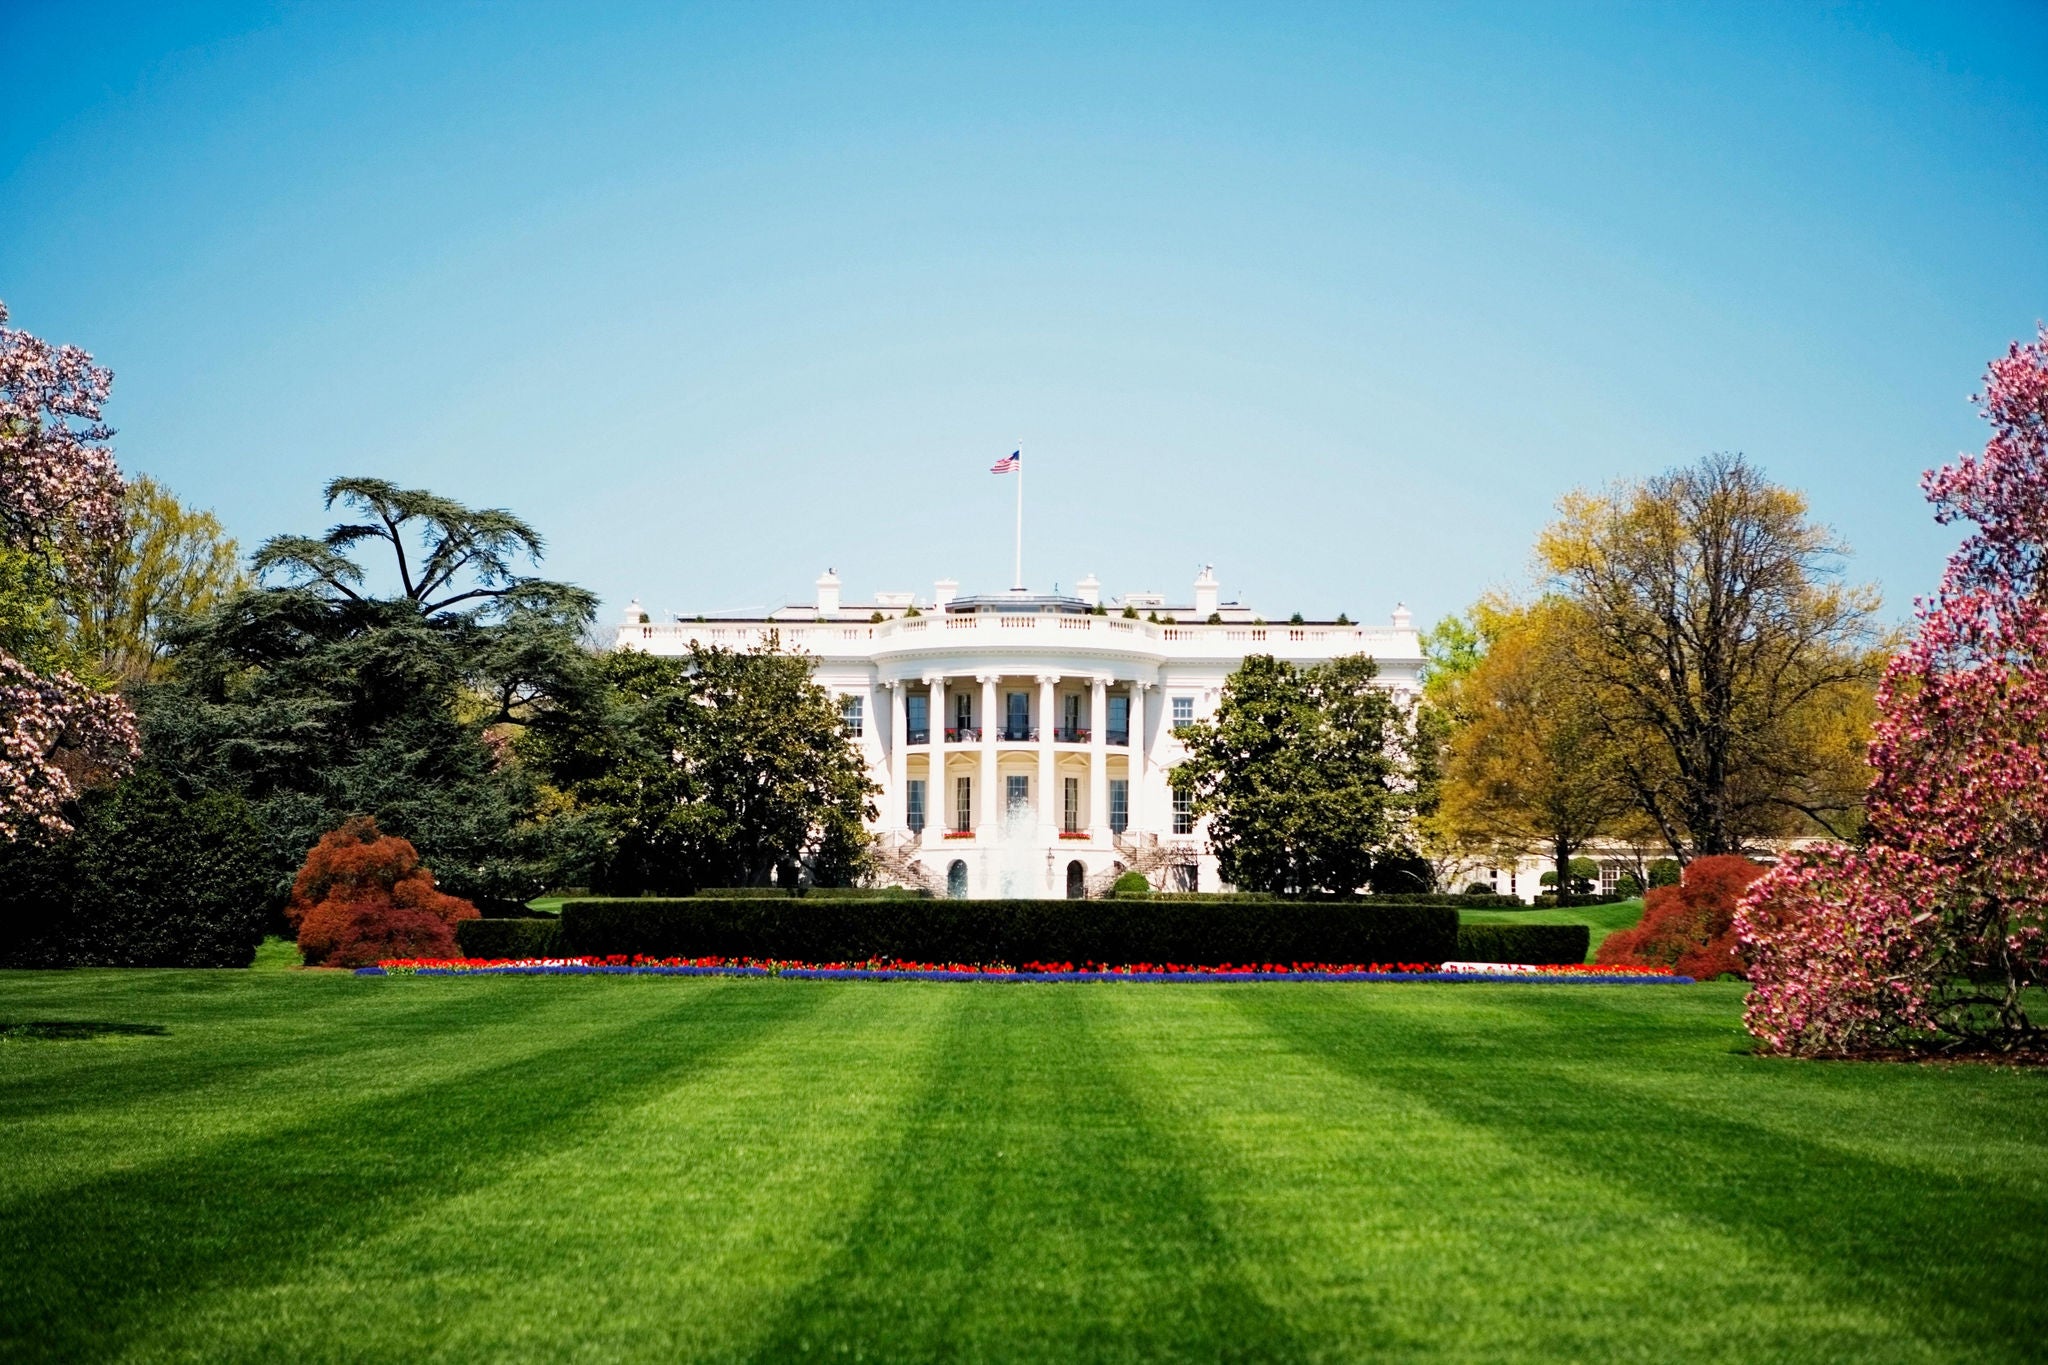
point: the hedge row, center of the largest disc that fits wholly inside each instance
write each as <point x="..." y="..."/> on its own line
<point x="510" y="937"/>
<point x="1197" y="933"/>
<point x="1540" y="944"/>
<point x="1489" y="901"/>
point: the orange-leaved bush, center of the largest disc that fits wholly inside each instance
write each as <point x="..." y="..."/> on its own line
<point x="363" y="896"/>
<point x="1689" y="927"/>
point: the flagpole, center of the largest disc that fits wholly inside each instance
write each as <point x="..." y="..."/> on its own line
<point x="1018" y="577"/>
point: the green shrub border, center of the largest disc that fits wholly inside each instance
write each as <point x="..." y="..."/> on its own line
<point x="494" y="938"/>
<point x="1193" y="933"/>
<point x="1537" y="944"/>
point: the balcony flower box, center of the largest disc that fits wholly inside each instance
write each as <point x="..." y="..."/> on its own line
<point x="959" y="834"/>
<point x="1074" y="834"/>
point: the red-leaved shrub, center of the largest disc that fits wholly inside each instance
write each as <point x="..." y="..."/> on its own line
<point x="1689" y="927"/>
<point x="363" y="896"/>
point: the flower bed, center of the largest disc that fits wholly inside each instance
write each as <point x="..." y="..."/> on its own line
<point x="893" y="970"/>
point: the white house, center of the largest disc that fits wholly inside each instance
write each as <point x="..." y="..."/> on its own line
<point x="1021" y="741"/>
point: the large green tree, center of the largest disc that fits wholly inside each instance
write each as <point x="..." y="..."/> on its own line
<point x="719" y="769"/>
<point x="1305" y="775"/>
<point x="1529" y="764"/>
<point x="171" y="562"/>
<point x="317" y="698"/>
<point x="1722" y="652"/>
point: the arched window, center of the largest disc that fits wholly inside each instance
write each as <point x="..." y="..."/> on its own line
<point x="1077" y="880"/>
<point x="956" y="880"/>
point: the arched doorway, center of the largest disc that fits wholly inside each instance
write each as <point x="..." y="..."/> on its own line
<point x="956" y="880"/>
<point x="1077" y="880"/>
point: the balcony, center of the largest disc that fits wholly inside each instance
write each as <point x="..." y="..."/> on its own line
<point x="918" y="736"/>
<point x="1071" y="734"/>
<point x="1020" y="734"/>
<point x="963" y="734"/>
<point x="1118" y="736"/>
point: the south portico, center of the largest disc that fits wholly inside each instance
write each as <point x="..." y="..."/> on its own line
<point x="1021" y="742"/>
<point x="1032" y="781"/>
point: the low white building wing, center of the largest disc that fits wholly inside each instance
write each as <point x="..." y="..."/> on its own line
<point x="1021" y="741"/>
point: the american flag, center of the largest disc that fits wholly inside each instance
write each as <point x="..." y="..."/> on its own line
<point x="1009" y="464"/>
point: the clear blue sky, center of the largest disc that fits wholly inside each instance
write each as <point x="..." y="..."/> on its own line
<point x="1340" y="297"/>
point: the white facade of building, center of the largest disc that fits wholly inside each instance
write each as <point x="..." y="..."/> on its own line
<point x="1022" y="741"/>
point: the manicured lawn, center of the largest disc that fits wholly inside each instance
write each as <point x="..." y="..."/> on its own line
<point x="310" y="1166"/>
<point x="1601" y="919"/>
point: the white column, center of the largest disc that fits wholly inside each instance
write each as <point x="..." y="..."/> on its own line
<point x="938" y="802"/>
<point x="1048" y="816"/>
<point x="1098" y="758"/>
<point x="991" y="804"/>
<point x="899" y="753"/>
<point x="1135" y="774"/>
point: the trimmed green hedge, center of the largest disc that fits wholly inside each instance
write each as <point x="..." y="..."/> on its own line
<point x="1538" y="944"/>
<point x="510" y="937"/>
<point x="1489" y="901"/>
<point x="1195" y="933"/>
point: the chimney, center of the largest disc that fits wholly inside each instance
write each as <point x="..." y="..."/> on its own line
<point x="828" y="593"/>
<point x="944" y="591"/>
<point x="1403" y="618"/>
<point x="1090" y="590"/>
<point x="1206" y="593"/>
<point x="635" y="613"/>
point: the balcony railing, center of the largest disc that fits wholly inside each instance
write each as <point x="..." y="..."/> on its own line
<point x="1020" y="734"/>
<point x="1118" y="736"/>
<point x="918" y="736"/>
<point x="1071" y="734"/>
<point x="963" y="734"/>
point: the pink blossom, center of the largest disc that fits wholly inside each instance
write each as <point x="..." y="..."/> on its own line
<point x="1934" y="930"/>
<point x="59" y="489"/>
<point x="60" y="496"/>
<point x="57" y="736"/>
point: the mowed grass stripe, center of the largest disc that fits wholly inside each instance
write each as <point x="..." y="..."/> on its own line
<point x="96" y="1263"/>
<point x="1034" y="1209"/>
<point x="1829" y="1254"/>
<point x="1406" y="1234"/>
<point x="665" y="1228"/>
<point x="74" y="1110"/>
<point x="216" y="1026"/>
<point x="1986" y="1124"/>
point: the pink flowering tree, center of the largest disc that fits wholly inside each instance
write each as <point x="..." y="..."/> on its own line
<point x="1933" y="932"/>
<point x="60" y="498"/>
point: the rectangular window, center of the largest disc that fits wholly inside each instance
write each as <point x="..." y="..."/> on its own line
<point x="963" y="710"/>
<point x="1018" y="725"/>
<point x="1073" y="711"/>
<point x="1119" y="720"/>
<point x="1016" y="793"/>
<point x="1610" y="874"/>
<point x="1183" y="711"/>
<point x="1119" y="804"/>
<point x="1070" y="806"/>
<point x="917" y="718"/>
<point x="913" y="805"/>
<point x="1183" y="813"/>
<point x="963" y="804"/>
<point x="852" y="711"/>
